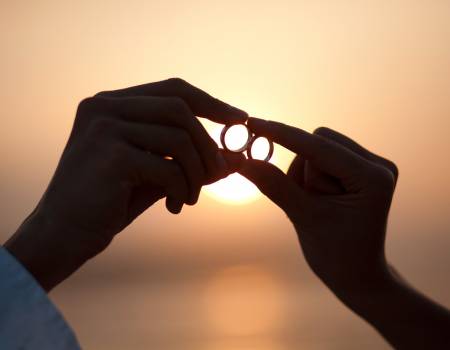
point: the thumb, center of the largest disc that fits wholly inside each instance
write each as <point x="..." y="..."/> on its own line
<point x="232" y="162"/>
<point x="275" y="184"/>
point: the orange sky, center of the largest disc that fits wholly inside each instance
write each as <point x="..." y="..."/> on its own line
<point x="378" y="71"/>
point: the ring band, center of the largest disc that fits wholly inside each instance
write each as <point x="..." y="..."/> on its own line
<point x="241" y="149"/>
<point x="250" y="145"/>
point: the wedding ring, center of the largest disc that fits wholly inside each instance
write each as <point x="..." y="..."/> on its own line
<point x="224" y="144"/>
<point x="250" y="145"/>
<point x="247" y="147"/>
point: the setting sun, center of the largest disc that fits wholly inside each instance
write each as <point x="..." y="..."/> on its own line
<point x="235" y="189"/>
<point x="227" y="272"/>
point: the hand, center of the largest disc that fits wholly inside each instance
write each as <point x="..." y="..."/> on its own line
<point x="337" y="194"/>
<point x="128" y="149"/>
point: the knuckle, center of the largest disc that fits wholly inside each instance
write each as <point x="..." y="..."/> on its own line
<point x="104" y="93"/>
<point x="323" y="131"/>
<point x="89" y="104"/>
<point x="383" y="179"/>
<point x="322" y="145"/>
<point x="392" y="167"/>
<point x="177" y="83"/>
<point x="84" y="112"/>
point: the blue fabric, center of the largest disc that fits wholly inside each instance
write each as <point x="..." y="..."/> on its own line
<point x="28" y="319"/>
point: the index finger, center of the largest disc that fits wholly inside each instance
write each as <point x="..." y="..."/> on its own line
<point x="327" y="155"/>
<point x="200" y="103"/>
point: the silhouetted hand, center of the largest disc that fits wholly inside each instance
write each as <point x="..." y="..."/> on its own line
<point x="336" y="193"/>
<point x="128" y="149"/>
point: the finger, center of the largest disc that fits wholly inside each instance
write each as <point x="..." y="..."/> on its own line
<point x="234" y="160"/>
<point x="233" y="163"/>
<point x="163" y="173"/>
<point x="170" y="112"/>
<point x="174" y="205"/>
<point x="297" y="170"/>
<point x="276" y="185"/>
<point x="319" y="182"/>
<point x="357" y="148"/>
<point x="327" y="155"/>
<point x="166" y="141"/>
<point x="142" y="197"/>
<point x="312" y="179"/>
<point x="145" y="195"/>
<point x="200" y="103"/>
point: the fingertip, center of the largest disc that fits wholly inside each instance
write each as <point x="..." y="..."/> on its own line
<point x="174" y="205"/>
<point x="229" y="114"/>
<point x="194" y="199"/>
<point x="241" y="117"/>
<point x="224" y="113"/>
<point x="237" y="113"/>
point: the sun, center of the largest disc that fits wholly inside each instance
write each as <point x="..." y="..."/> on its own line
<point x="235" y="189"/>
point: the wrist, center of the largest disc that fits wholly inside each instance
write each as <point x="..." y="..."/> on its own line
<point x="45" y="249"/>
<point x="369" y="291"/>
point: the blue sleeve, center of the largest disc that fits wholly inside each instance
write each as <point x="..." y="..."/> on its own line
<point x="28" y="319"/>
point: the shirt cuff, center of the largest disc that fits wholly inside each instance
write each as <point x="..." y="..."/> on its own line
<point x="28" y="319"/>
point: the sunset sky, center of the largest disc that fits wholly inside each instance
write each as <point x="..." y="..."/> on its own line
<point x="377" y="71"/>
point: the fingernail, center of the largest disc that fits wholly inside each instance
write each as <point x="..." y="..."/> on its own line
<point x="221" y="163"/>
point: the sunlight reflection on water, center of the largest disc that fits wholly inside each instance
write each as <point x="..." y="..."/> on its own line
<point x="243" y="300"/>
<point x="241" y="307"/>
<point x="260" y="344"/>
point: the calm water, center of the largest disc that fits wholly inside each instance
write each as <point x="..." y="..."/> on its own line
<point x="238" y="308"/>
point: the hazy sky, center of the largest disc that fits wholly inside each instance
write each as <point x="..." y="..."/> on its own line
<point x="378" y="71"/>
